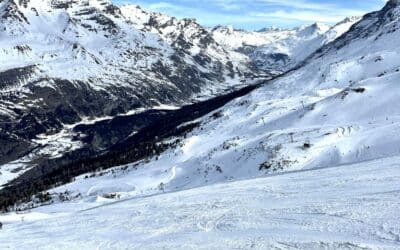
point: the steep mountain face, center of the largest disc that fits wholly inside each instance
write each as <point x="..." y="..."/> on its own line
<point x="189" y="39"/>
<point x="279" y="50"/>
<point x="65" y="61"/>
<point x="340" y="108"/>
<point x="374" y="25"/>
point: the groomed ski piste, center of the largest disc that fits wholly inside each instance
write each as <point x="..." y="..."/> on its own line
<point x="343" y="207"/>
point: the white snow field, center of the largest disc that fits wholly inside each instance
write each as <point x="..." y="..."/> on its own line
<point x="342" y="207"/>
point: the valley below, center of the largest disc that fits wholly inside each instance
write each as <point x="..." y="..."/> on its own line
<point x="105" y="144"/>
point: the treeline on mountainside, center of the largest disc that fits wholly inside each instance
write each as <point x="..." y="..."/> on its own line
<point x="22" y="192"/>
<point x="147" y="143"/>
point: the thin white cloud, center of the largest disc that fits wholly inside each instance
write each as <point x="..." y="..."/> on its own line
<point x="307" y="16"/>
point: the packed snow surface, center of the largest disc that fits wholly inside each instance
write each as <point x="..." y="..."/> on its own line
<point x="343" y="207"/>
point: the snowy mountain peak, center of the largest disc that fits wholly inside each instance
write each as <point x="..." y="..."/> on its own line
<point x="340" y="28"/>
<point x="349" y="19"/>
<point x="55" y="5"/>
<point x="372" y="26"/>
<point x="313" y="29"/>
<point x="320" y="26"/>
<point x="269" y="29"/>
<point x="287" y="49"/>
<point x="228" y="29"/>
<point x="277" y="50"/>
<point x="185" y="33"/>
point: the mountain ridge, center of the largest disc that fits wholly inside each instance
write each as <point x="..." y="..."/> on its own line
<point x="279" y="50"/>
<point x="61" y="61"/>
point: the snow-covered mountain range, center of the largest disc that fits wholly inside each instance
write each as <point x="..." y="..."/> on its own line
<point x="340" y="107"/>
<point x="279" y="50"/>
<point x="65" y="61"/>
<point x="308" y="160"/>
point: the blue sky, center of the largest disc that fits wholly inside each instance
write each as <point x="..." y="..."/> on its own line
<point x="256" y="14"/>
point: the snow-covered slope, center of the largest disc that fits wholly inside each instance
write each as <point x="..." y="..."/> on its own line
<point x="309" y="160"/>
<point x="281" y="49"/>
<point x="342" y="107"/>
<point x="65" y="61"/>
<point x="346" y="207"/>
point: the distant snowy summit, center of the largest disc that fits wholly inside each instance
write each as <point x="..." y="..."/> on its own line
<point x="272" y="28"/>
<point x="279" y="50"/>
